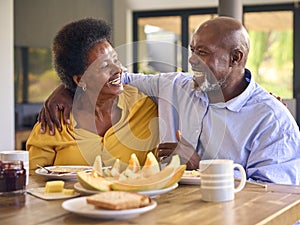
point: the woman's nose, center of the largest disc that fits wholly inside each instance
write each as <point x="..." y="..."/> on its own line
<point x="117" y="67"/>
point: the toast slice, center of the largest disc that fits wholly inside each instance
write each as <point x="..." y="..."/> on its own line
<point x="117" y="200"/>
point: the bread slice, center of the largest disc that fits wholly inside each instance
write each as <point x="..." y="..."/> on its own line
<point x="118" y="200"/>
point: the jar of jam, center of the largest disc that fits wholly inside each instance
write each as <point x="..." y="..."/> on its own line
<point x="12" y="177"/>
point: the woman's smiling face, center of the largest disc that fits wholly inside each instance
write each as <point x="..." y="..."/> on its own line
<point x="104" y="70"/>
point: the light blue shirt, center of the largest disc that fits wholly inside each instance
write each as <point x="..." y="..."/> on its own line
<point x="253" y="129"/>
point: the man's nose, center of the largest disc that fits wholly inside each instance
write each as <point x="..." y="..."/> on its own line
<point x="194" y="60"/>
<point x="197" y="61"/>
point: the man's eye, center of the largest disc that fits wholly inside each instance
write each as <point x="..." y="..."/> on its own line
<point x="201" y="52"/>
<point x="198" y="51"/>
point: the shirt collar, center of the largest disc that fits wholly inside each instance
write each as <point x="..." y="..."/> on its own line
<point x="239" y="101"/>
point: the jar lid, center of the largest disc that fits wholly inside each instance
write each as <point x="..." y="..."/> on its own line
<point x="11" y="164"/>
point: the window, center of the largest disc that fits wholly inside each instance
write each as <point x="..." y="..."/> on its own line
<point x="159" y="38"/>
<point x="34" y="81"/>
<point x="270" y="27"/>
<point x="35" y="78"/>
<point x="271" y="52"/>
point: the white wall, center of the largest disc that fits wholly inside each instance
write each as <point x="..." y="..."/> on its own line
<point x="37" y="21"/>
<point x="7" y="113"/>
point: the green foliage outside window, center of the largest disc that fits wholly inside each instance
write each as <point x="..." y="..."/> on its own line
<point x="271" y="61"/>
<point x="42" y="79"/>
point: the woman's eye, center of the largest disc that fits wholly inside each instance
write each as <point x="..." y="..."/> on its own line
<point x="103" y="65"/>
<point x="116" y="61"/>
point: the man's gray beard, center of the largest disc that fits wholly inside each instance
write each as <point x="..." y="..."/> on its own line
<point x="206" y="86"/>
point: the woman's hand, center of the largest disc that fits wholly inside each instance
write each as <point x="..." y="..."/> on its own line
<point x="279" y="99"/>
<point x="61" y="99"/>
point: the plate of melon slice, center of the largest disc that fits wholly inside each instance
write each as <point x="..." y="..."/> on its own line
<point x="148" y="179"/>
<point x="151" y="193"/>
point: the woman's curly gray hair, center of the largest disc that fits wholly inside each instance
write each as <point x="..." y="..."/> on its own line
<point x="71" y="45"/>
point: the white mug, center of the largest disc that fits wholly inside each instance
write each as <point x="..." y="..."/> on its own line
<point x="21" y="155"/>
<point x="217" y="179"/>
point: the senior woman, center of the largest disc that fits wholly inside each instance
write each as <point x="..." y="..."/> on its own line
<point x="108" y="118"/>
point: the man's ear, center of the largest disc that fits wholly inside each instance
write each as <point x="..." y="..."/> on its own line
<point x="236" y="57"/>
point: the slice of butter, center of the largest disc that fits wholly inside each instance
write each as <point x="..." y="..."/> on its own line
<point x="54" y="186"/>
<point x="68" y="191"/>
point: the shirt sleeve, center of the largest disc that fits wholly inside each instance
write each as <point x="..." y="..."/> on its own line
<point x="275" y="156"/>
<point x="148" y="84"/>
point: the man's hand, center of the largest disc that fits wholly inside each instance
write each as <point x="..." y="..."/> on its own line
<point x="60" y="100"/>
<point x="186" y="152"/>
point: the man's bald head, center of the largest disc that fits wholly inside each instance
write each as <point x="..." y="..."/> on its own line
<point x="228" y="33"/>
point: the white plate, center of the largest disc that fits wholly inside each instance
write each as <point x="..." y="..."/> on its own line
<point x="81" y="207"/>
<point x="40" y="193"/>
<point x="64" y="176"/>
<point x="152" y="193"/>
<point x="190" y="177"/>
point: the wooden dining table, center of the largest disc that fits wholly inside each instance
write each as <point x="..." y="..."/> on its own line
<point x="272" y="204"/>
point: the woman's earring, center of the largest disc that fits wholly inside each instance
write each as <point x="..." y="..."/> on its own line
<point x="82" y="85"/>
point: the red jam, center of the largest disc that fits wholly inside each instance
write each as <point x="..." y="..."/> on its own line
<point x="12" y="176"/>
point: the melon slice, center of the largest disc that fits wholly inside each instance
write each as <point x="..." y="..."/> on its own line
<point x="115" y="170"/>
<point x="153" y="182"/>
<point x="132" y="170"/>
<point x="93" y="181"/>
<point x="179" y="171"/>
<point x="168" y="176"/>
<point x="176" y="176"/>
<point x="175" y="161"/>
<point x="151" y="166"/>
<point x="134" y="164"/>
<point x="97" y="166"/>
